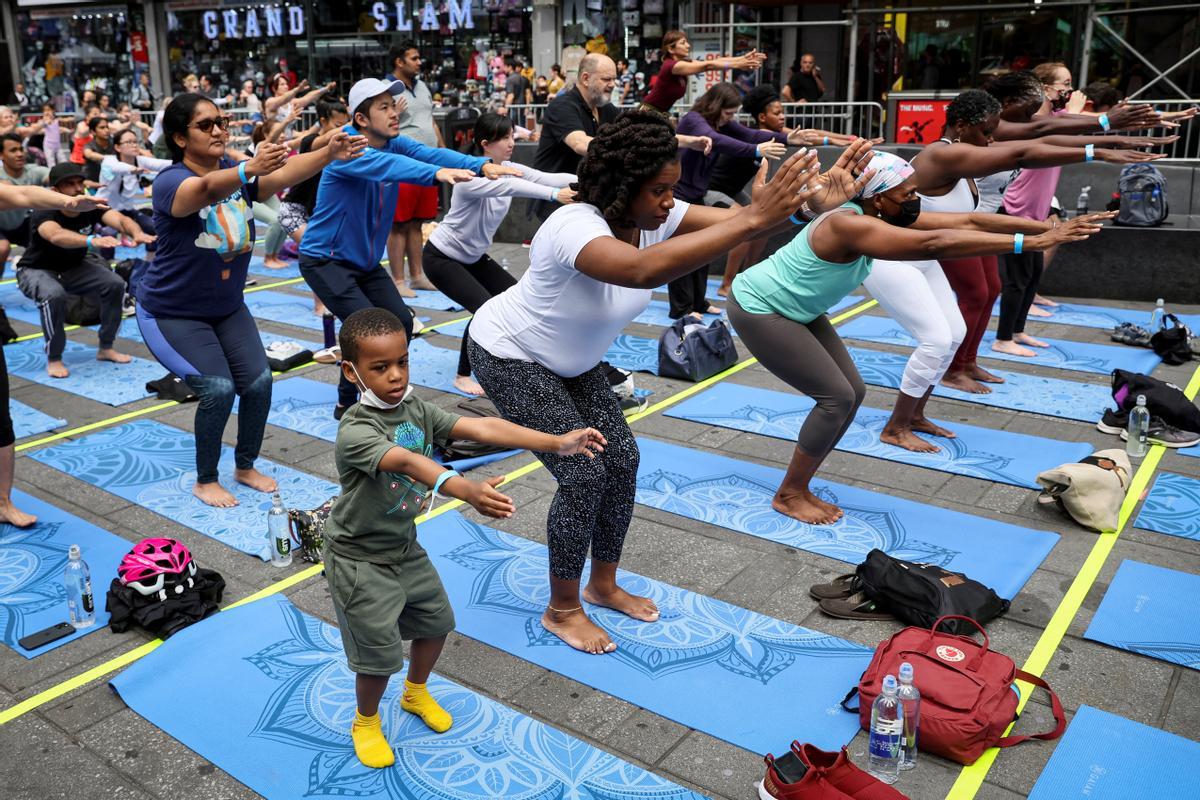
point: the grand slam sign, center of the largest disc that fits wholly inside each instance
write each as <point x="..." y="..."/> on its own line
<point x="246" y="24"/>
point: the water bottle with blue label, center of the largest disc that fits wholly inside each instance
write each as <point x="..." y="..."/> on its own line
<point x="77" y="578"/>
<point x="886" y="734"/>
<point x="910" y="701"/>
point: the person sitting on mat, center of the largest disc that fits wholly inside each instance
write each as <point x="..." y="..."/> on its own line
<point x="384" y="587"/>
<point x="61" y="260"/>
<point x="778" y="306"/>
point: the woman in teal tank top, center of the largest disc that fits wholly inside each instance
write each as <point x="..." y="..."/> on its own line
<point x="779" y="305"/>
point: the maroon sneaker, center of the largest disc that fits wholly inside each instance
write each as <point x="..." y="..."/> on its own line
<point x="839" y="772"/>
<point x="789" y="779"/>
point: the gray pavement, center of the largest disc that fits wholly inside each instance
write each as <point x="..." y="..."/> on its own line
<point x="87" y="744"/>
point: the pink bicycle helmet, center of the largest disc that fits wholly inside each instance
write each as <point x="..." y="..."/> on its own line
<point x="151" y="563"/>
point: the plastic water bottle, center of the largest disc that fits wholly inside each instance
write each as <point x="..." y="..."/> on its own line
<point x="910" y="700"/>
<point x="81" y="604"/>
<point x="279" y="533"/>
<point x="887" y="733"/>
<point x="1081" y="205"/>
<point x="1139" y="426"/>
<point x="1156" y="316"/>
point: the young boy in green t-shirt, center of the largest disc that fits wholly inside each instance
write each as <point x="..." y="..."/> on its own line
<point x="384" y="587"/>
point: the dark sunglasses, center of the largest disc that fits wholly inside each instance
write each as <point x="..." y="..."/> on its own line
<point x="206" y="125"/>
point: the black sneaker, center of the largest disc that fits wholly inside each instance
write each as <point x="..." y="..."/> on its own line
<point x="1113" y="422"/>
<point x="1166" y="435"/>
<point x="339" y="412"/>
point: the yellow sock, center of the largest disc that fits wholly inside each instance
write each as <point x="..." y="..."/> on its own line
<point x="370" y="745"/>
<point x="419" y="701"/>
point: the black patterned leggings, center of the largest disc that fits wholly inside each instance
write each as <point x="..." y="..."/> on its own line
<point x="594" y="501"/>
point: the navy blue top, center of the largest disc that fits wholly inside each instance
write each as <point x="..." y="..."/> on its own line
<point x="199" y="269"/>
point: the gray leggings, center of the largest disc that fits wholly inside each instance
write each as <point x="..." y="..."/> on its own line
<point x="809" y="357"/>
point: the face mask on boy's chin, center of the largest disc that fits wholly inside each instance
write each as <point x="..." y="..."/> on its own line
<point x="371" y="400"/>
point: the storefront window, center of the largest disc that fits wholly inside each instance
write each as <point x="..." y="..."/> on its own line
<point x="67" y="49"/>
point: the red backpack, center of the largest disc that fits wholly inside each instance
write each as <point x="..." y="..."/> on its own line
<point x="967" y="693"/>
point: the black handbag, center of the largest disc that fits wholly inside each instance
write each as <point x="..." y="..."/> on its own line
<point x="1173" y="341"/>
<point x="692" y="351"/>
<point x="920" y="594"/>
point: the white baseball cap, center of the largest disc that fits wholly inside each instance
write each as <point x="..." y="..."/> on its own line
<point x="371" y="87"/>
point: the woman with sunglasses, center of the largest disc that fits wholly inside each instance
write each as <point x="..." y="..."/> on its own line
<point x="121" y="187"/>
<point x="190" y="307"/>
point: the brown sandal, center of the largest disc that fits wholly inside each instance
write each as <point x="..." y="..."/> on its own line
<point x="856" y="606"/>
<point x="840" y="587"/>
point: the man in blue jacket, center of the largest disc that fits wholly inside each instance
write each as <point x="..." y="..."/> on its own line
<point x="347" y="234"/>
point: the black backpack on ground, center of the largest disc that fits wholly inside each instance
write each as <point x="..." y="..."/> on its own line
<point x="457" y="449"/>
<point x="920" y="594"/>
<point x="1173" y="341"/>
<point x="1143" y="191"/>
<point x="1163" y="400"/>
<point x="82" y="310"/>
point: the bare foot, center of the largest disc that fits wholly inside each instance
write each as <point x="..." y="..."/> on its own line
<point x="713" y="310"/>
<point x="1012" y="348"/>
<point x="574" y="628"/>
<point x="15" y="516"/>
<point x="1038" y="311"/>
<point x="981" y="374"/>
<point x="468" y="385"/>
<point x="255" y="480"/>
<point x="903" y="437"/>
<point x="922" y="425"/>
<point x="830" y="507"/>
<point x="618" y="599"/>
<point x="403" y="289"/>
<point x="1044" y="301"/>
<point x="214" y="494"/>
<point x="274" y="262"/>
<point x="421" y="282"/>
<point x="723" y="290"/>
<point x="1025" y="338"/>
<point x="57" y="369"/>
<point x="964" y="383"/>
<point x="696" y="315"/>
<point x="108" y="354"/>
<point x="806" y="508"/>
<point x="319" y="309"/>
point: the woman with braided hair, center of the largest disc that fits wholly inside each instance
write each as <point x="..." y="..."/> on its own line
<point x="945" y="173"/>
<point x="536" y="348"/>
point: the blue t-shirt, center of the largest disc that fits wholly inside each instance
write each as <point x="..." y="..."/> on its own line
<point x="199" y="269"/>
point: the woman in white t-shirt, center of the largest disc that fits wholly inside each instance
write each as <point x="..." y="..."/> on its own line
<point x="536" y="348"/>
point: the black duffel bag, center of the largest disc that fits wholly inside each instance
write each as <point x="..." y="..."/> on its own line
<point x="1164" y="400"/>
<point x="691" y="351"/>
<point x="1173" y="341"/>
<point x="920" y="594"/>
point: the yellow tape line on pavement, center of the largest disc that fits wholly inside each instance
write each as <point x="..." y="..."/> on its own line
<point x="112" y="665"/>
<point x="971" y="778"/>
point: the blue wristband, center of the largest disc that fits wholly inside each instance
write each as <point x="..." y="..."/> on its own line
<point x="1104" y="123"/>
<point x="826" y="140"/>
<point x="1018" y="243"/>
<point x="242" y="173"/>
<point x="797" y="221"/>
<point x="88" y="243"/>
<point x="445" y="476"/>
<point x="1089" y="152"/>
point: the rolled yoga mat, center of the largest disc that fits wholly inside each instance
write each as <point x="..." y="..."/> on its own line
<point x="976" y="452"/>
<point x="699" y="650"/>
<point x="1097" y="359"/>
<point x="1106" y="757"/>
<point x="1150" y="610"/>
<point x="270" y="701"/>
<point x="154" y="466"/>
<point x="736" y="495"/>
<point x="32" y="594"/>
<point x="1172" y="507"/>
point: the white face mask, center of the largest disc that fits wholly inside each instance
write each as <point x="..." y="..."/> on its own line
<point x="368" y="398"/>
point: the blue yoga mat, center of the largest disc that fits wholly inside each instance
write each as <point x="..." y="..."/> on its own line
<point x="1052" y="397"/>
<point x="657" y="313"/>
<point x="700" y="648"/>
<point x="27" y="421"/>
<point x="634" y="353"/>
<point x="102" y="381"/>
<point x="1099" y="359"/>
<point x="286" y="309"/>
<point x="1106" y="757"/>
<point x="1150" y="610"/>
<point x="154" y="466"/>
<point x="455" y="329"/>
<point x="258" y="267"/>
<point x="993" y="455"/>
<point x="270" y="701"/>
<point x="1104" y="317"/>
<point x="1172" y="507"/>
<point x="32" y="596"/>
<point x="433" y="366"/>
<point x="18" y="306"/>
<point x="737" y="495"/>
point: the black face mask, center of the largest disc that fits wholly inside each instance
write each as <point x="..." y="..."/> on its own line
<point x="909" y="211"/>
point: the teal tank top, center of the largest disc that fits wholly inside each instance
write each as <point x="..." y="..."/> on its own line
<point x="794" y="283"/>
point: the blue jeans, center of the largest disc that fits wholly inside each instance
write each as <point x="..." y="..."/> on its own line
<point x="219" y="358"/>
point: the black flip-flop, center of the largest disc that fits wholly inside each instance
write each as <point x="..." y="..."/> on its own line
<point x="840" y="587"/>
<point x="856" y="606"/>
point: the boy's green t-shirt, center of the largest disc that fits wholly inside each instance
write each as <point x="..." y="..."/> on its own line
<point x="374" y="519"/>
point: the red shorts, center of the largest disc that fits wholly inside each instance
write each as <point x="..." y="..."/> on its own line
<point x="416" y="202"/>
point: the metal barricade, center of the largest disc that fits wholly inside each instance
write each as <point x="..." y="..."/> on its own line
<point x="1187" y="148"/>
<point x="861" y="118"/>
